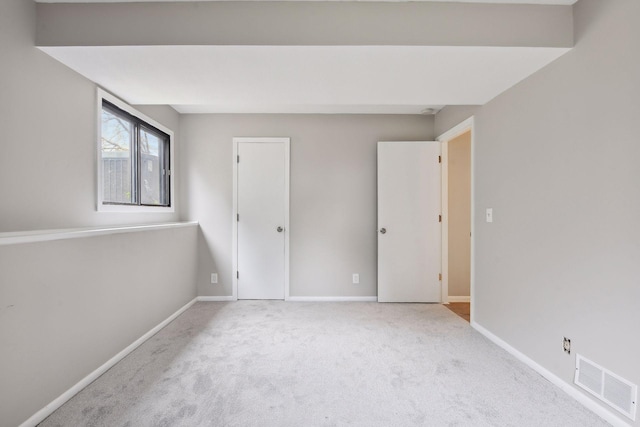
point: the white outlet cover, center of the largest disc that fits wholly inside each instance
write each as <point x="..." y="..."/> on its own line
<point x="356" y="279"/>
<point x="214" y="277"/>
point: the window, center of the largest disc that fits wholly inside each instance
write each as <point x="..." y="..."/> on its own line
<point x="134" y="156"/>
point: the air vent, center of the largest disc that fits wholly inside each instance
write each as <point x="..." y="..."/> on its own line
<point x="607" y="386"/>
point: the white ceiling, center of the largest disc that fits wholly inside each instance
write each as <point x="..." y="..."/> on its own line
<point x="305" y="79"/>
<point x="565" y="2"/>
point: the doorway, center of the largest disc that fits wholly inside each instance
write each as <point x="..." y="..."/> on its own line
<point x="457" y="200"/>
<point x="261" y="218"/>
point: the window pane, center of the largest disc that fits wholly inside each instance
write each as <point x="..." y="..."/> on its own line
<point x="117" y="159"/>
<point x="152" y="168"/>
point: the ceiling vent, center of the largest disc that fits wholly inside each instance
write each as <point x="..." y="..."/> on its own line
<point x="607" y="386"/>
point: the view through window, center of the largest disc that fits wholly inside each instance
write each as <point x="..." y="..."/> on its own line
<point x="135" y="160"/>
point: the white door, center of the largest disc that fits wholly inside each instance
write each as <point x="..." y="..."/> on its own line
<point x="409" y="232"/>
<point x="261" y="217"/>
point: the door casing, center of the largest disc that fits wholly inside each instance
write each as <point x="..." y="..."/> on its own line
<point x="459" y="129"/>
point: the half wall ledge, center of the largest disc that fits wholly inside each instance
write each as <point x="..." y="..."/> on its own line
<point x="33" y="236"/>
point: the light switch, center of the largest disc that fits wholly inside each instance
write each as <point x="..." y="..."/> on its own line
<point x="489" y="215"/>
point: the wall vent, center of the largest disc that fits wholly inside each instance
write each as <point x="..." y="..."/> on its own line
<point x="607" y="386"/>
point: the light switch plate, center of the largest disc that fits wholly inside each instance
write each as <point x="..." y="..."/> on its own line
<point x="489" y="217"/>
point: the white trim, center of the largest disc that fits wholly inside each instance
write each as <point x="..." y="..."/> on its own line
<point x="43" y="413"/>
<point x="100" y="207"/>
<point x="234" y="221"/>
<point x="13" y="238"/>
<point x="572" y="391"/>
<point x="211" y="298"/>
<point x="467" y="125"/>
<point x="287" y="172"/>
<point x="287" y="147"/>
<point x="444" y="207"/>
<point x="332" y="299"/>
<point x="459" y="298"/>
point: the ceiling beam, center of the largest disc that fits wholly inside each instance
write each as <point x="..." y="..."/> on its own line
<point x="263" y="23"/>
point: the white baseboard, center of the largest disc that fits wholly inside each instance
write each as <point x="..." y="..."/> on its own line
<point x="215" y="298"/>
<point x="43" y="413"/>
<point x="330" y="299"/>
<point x="590" y="404"/>
<point x="460" y="299"/>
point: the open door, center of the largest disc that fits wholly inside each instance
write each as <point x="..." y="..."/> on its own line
<point x="409" y="227"/>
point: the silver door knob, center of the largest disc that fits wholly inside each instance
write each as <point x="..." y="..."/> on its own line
<point x="383" y="230"/>
<point x="280" y="229"/>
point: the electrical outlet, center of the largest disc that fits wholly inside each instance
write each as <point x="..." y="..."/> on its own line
<point x="566" y="345"/>
<point x="214" y="277"/>
<point x="356" y="278"/>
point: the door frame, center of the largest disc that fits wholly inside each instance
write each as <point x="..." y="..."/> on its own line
<point x="454" y="132"/>
<point x="287" y="143"/>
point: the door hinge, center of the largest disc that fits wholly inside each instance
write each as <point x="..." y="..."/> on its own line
<point x="238" y="217"/>
<point x="237" y="274"/>
<point x="439" y="159"/>
<point x="439" y="218"/>
<point x="439" y="276"/>
<point x="238" y="159"/>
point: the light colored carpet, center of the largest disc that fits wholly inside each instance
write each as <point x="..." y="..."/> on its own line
<point x="274" y="363"/>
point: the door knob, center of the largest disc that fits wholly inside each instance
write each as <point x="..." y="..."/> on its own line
<point x="383" y="230"/>
<point x="280" y="229"/>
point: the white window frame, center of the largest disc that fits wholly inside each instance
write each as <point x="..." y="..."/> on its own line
<point x="100" y="206"/>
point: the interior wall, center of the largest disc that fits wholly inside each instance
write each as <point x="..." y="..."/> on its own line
<point x="459" y="213"/>
<point x="332" y="200"/>
<point x="556" y="157"/>
<point x="68" y="306"/>
<point x="451" y="116"/>
<point x="48" y="120"/>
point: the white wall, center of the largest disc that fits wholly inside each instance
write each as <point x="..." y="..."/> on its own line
<point x="333" y="194"/>
<point x="48" y="122"/>
<point x="557" y="159"/>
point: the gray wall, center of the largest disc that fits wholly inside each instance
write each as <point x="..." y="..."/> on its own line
<point x="450" y="116"/>
<point x="68" y="306"/>
<point x="333" y="194"/>
<point x="304" y="23"/>
<point x="557" y="159"/>
<point x="64" y="311"/>
<point x="48" y="120"/>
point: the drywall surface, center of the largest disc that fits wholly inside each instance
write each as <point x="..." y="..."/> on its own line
<point x="48" y="119"/>
<point x="68" y="306"/>
<point x="332" y="201"/>
<point x="556" y="157"/>
<point x="459" y="212"/>
<point x="450" y="116"/>
<point x="304" y="23"/>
